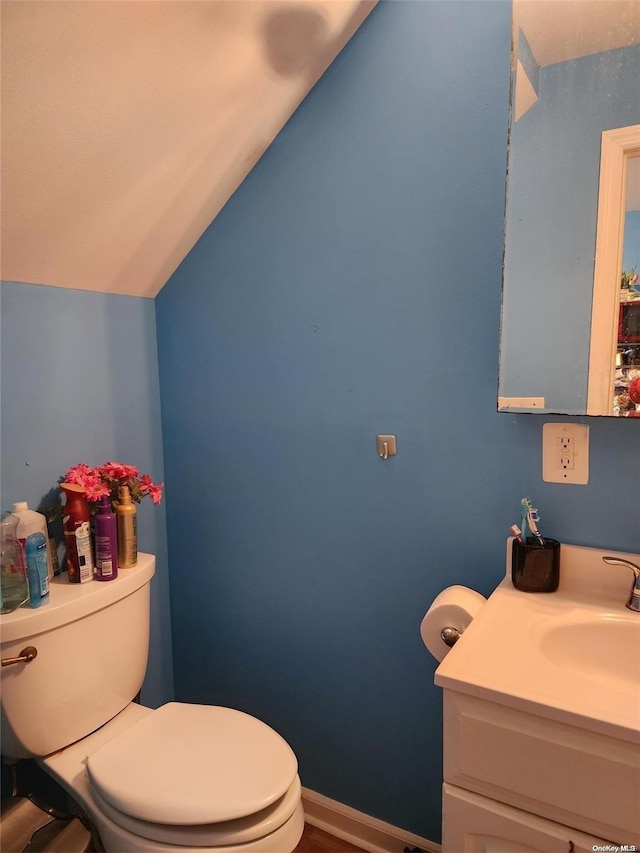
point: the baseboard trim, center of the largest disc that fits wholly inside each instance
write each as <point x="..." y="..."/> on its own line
<point x="358" y="828"/>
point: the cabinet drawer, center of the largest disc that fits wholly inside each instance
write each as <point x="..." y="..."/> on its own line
<point x="474" y="824"/>
<point x="568" y="775"/>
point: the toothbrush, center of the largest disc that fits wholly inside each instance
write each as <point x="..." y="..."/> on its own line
<point x="523" y="520"/>
<point x="517" y="533"/>
<point x="533" y="518"/>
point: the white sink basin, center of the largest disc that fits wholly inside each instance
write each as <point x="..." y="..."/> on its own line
<point x="604" y="647"/>
<point x="572" y="655"/>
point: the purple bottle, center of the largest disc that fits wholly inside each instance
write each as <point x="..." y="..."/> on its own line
<point x="106" y="542"/>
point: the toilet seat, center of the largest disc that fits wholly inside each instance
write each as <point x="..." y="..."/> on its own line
<point x="220" y="835"/>
<point x="186" y="767"/>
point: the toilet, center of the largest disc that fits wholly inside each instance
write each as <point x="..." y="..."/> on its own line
<point x="183" y="777"/>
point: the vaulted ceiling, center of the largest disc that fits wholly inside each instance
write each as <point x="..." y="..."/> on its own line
<point x="126" y="126"/>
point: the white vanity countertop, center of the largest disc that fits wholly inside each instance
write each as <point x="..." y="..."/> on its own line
<point x="507" y="654"/>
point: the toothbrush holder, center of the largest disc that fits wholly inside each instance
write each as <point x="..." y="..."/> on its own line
<point x="535" y="567"/>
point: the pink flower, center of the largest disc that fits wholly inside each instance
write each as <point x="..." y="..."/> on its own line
<point x="145" y="483"/>
<point x="107" y="479"/>
<point x="97" y="490"/>
<point x="155" y="493"/>
<point x="78" y="474"/>
<point x="118" y="471"/>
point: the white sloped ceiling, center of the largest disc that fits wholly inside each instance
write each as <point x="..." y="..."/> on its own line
<point x="126" y="126"/>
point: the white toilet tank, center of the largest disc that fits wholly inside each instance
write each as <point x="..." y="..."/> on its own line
<point x="92" y="643"/>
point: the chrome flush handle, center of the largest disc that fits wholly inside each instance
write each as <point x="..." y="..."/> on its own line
<point x="634" y="597"/>
<point x="25" y="656"/>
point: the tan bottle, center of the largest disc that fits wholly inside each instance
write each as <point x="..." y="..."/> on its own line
<point x="127" y="523"/>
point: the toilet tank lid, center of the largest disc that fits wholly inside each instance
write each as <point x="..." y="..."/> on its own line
<point x="189" y="764"/>
<point x="71" y="601"/>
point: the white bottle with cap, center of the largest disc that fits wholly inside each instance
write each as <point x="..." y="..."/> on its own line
<point x="30" y="521"/>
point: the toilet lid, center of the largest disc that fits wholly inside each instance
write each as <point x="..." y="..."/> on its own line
<point x="193" y="764"/>
<point x="224" y="835"/>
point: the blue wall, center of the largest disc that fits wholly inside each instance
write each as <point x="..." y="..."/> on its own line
<point x="550" y="248"/>
<point x="351" y="287"/>
<point x="80" y="384"/>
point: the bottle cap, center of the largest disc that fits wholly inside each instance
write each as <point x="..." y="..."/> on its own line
<point x="125" y="497"/>
<point x="20" y="506"/>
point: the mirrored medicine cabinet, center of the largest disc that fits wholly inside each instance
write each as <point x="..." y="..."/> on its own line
<point x="570" y="331"/>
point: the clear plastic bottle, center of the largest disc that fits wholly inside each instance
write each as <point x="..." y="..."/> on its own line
<point x="31" y="521"/>
<point x="13" y="580"/>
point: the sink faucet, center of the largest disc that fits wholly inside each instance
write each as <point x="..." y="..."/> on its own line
<point x="634" y="596"/>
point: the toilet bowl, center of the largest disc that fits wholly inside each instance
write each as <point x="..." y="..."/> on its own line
<point x="142" y="796"/>
<point x="183" y="777"/>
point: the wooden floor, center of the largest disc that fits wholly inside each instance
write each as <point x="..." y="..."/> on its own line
<point x="314" y="840"/>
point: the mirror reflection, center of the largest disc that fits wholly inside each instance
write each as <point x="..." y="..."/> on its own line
<point x="576" y="67"/>
<point x="613" y="368"/>
<point x="626" y="385"/>
<point x="626" y="381"/>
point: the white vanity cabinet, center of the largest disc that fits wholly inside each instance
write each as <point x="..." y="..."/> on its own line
<point x="542" y="717"/>
<point x="519" y="783"/>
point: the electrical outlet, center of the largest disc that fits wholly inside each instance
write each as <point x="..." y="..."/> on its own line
<point x="565" y="453"/>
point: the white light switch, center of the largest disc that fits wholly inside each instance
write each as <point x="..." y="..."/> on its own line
<point x="565" y="453"/>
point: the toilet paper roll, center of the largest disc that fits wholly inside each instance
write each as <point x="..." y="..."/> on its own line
<point x="455" y="607"/>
